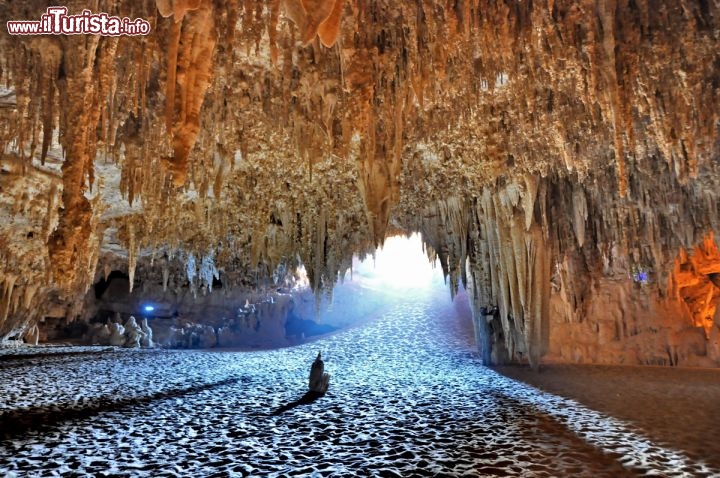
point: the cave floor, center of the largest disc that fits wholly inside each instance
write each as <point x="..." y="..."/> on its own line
<point x="675" y="406"/>
<point x="407" y="397"/>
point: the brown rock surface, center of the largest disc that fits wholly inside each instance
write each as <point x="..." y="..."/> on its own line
<point x="673" y="407"/>
<point x="556" y="155"/>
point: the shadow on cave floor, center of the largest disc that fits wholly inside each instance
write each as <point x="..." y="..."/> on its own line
<point x="306" y="399"/>
<point x="548" y="429"/>
<point x="45" y="355"/>
<point x="21" y="421"/>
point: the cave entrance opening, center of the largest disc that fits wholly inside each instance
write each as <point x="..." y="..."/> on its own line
<point x="398" y="274"/>
<point x="399" y="266"/>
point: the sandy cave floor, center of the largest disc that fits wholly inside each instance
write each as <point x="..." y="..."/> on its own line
<point x="408" y="397"/>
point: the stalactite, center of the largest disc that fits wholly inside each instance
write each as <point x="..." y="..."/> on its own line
<point x="51" y="57"/>
<point x="580" y="215"/>
<point x="133" y="249"/>
<point x="78" y="93"/>
<point x="8" y="286"/>
<point x="192" y="43"/>
<point x="329" y="29"/>
<point x="313" y="15"/>
<point x="165" y="276"/>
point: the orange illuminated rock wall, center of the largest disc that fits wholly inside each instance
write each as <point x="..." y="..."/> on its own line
<point x="696" y="283"/>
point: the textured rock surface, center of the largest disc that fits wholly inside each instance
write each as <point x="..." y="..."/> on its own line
<point x="560" y="157"/>
<point x="408" y="398"/>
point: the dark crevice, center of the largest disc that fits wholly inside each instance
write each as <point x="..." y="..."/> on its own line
<point x="102" y="285"/>
<point x="44" y="356"/>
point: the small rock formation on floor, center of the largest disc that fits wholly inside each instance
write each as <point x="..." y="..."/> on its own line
<point x="130" y="335"/>
<point x="32" y="335"/>
<point x="147" y="339"/>
<point x="133" y="333"/>
<point x="117" y="335"/>
<point x="188" y="336"/>
<point x="319" y="380"/>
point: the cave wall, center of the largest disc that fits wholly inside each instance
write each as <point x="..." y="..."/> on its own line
<point x="549" y="151"/>
<point x="580" y="276"/>
<point x="193" y="304"/>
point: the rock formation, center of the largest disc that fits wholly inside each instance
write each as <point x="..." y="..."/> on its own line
<point x="147" y="334"/>
<point x="560" y="158"/>
<point x="117" y="335"/>
<point x="318" y="381"/>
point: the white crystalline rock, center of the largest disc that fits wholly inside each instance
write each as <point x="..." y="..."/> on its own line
<point x="190" y="269"/>
<point x="147" y="340"/>
<point x="117" y="335"/>
<point x="208" y="271"/>
<point x="133" y="250"/>
<point x="133" y="333"/>
<point x="501" y="79"/>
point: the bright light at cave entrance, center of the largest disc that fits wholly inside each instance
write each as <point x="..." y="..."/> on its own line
<point x="399" y="264"/>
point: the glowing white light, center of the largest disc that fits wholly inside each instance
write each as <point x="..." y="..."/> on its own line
<point x="301" y="278"/>
<point x="149" y="308"/>
<point x="400" y="263"/>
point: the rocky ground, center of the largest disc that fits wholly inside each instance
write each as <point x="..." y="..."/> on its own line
<point x="407" y="397"/>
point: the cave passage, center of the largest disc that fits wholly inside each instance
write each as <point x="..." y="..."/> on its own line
<point x="398" y="266"/>
<point x="408" y="397"/>
<point x="373" y="285"/>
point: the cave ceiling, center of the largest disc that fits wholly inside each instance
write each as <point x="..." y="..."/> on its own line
<point x="265" y="133"/>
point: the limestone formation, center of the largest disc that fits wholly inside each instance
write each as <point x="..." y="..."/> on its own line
<point x="147" y="337"/>
<point x="560" y="158"/>
<point x="319" y="381"/>
<point x="117" y="335"/>
<point x="99" y="334"/>
<point x="32" y="335"/>
<point x="133" y="333"/>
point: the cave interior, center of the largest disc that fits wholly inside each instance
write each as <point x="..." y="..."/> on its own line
<point x="559" y="159"/>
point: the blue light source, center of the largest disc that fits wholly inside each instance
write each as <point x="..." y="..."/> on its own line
<point x="149" y="308"/>
<point x="641" y="276"/>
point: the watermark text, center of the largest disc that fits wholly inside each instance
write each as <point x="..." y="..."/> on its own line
<point x="56" y="21"/>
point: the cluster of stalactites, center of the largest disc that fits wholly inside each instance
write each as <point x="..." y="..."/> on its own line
<point x="512" y="242"/>
<point x="70" y="83"/>
<point x="508" y="264"/>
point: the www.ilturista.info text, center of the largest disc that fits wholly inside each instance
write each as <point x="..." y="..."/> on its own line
<point x="57" y="22"/>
